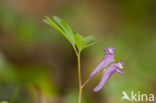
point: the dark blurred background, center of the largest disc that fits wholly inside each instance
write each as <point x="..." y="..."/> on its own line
<point x="38" y="65"/>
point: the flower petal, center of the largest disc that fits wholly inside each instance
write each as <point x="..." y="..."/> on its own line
<point x="114" y="67"/>
<point x="108" y="58"/>
<point x="106" y="75"/>
<point x="119" y="71"/>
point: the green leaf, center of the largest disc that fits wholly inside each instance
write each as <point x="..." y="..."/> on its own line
<point x="82" y="42"/>
<point x="52" y="23"/>
<point x="92" y="43"/>
<point x="62" y="27"/>
<point x="89" y="39"/>
<point x="67" y="29"/>
<point x="74" y="38"/>
<point x="47" y="22"/>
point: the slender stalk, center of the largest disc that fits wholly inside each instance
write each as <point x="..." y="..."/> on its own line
<point x="79" y="78"/>
<point x="84" y="84"/>
<point x="81" y="86"/>
<point x="80" y="94"/>
<point x="79" y="70"/>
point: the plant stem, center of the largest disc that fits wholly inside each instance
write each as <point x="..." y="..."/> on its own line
<point x="84" y="84"/>
<point x="81" y="86"/>
<point x="80" y="94"/>
<point x="79" y="70"/>
<point x="79" y="78"/>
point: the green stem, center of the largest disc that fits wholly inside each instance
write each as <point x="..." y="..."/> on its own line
<point x="81" y="86"/>
<point x="79" y="70"/>
<point x="80" y="94"/>
<point x="79" y="78"/>
<point x="84" y="84"/>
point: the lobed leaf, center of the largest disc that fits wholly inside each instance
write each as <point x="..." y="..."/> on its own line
<point x="62" y="27"/>
<point x="74" y="38"/>
<point x="89" y="39"/>
<point x="67" y="29"/>
<point x="82" y="42"/>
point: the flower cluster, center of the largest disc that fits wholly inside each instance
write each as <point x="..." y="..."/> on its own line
<point x="114" y="67"/>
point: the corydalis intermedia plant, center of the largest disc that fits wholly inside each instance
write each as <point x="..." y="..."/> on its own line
<point x="79" y="43"/>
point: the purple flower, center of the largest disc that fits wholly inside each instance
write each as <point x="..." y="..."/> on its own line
<point x="108" y="58"/>
<point x="114" y="67"/>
